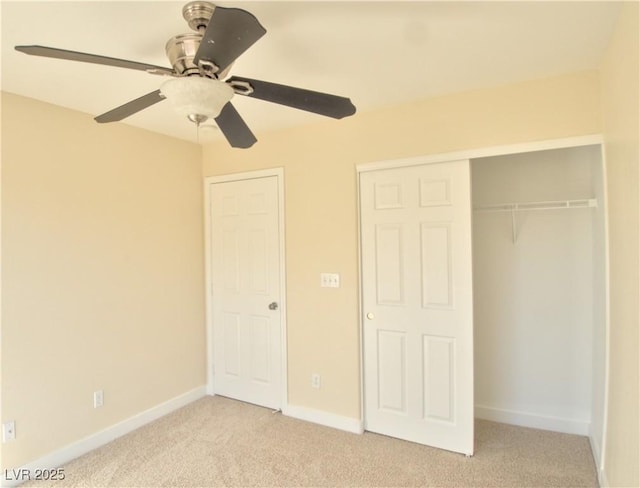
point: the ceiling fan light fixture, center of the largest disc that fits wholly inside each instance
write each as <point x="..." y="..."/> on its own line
<point x="197" y="98"/>
<point x="199" y="61"/>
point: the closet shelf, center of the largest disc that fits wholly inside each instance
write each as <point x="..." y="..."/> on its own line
<point x="548" y="205"/>
<point x="514" y="208"/>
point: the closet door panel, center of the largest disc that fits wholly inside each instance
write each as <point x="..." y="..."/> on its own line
<point x="417" y="304"/>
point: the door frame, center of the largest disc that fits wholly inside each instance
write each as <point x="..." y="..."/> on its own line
<point x="209" y="298"/>
<point x="471" y="154"/>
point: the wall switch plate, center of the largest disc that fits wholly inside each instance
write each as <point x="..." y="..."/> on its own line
<point x="315" y="381"/>
<point x="329" y="280"/>
<point x="8" y="431"/>
<point x="98" y="399"/>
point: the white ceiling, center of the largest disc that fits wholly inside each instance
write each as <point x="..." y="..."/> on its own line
<point x="376" y="53"/>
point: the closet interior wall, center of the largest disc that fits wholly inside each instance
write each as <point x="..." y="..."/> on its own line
<point x="539" y="290"/>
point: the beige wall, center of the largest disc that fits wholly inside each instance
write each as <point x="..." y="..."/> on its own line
<point x="620" y="107"/>
<point x="102" y="274"/>
<point x="321" y="213"/>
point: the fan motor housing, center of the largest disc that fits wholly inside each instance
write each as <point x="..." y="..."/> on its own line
<point x="181" y="50"/>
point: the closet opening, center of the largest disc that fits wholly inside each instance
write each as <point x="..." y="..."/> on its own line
<point x="539" y="284"/>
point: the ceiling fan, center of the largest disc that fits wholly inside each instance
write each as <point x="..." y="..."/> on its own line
<point x="201" y="60"/>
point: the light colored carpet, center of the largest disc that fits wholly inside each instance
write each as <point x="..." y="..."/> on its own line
<point x="221" y="442"/>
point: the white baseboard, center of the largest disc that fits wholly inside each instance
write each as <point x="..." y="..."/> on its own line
<point x="595" y="451"/>
<point x="89" y="443"/>
<point x="602" y="479"/>
<point x="526" y="419"/>
<point x="327" y="419"/>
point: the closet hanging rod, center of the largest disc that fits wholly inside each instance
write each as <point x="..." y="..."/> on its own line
<point x="546" y="205"/>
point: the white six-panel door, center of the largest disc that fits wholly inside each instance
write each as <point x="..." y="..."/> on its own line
<point x="245" y="290"/>
<point x="417" y="304"/>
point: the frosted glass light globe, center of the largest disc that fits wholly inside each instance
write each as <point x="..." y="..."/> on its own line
<point x="196" y="97"/>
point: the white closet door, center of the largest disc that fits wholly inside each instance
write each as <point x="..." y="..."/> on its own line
<point x="417" y="304"/>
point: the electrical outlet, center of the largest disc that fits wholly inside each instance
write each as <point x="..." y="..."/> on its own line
<point x="98" y="399"/>
<point x="8" y="431"/>
<point x="315" y="381"/>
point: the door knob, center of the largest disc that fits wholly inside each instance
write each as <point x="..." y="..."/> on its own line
<point x="370" y="316"/>
<point x="273" y="306"/>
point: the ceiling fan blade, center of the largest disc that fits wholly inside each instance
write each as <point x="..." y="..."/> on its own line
<point x="51" y="52"/>
<point x="130" y="108"/>
<point x="311" y="101"/>
<point x="234" y="128"/>
<point x="230" y="32"/>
